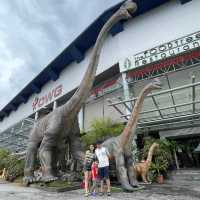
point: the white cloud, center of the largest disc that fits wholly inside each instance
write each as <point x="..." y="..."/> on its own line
<point x="32" y="33"/>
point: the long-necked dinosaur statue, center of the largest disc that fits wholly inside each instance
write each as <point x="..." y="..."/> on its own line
<point x="142" y="168"/>
<point x="120" y="147"/>
<point x="49" y="132"/>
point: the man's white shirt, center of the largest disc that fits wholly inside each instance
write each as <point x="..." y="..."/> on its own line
<point x="102" y="156"/>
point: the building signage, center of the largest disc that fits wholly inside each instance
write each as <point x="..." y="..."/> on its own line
<point x="161" y="52"/>
<point x="105" y="88"/>
<point x="171" y="64"/>
<point x="39" y="102"/>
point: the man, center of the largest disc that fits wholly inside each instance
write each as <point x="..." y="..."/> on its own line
<point x="103" y="160"/>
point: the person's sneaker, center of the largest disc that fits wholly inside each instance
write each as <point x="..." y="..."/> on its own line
<point x="100" y="193"/>
<point x="108" y="194"/>
<point x="86" y="194"/>
<point x="94" y="194"/>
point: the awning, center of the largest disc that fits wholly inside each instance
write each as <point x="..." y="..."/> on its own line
<point x="175" y="106"/>
<point x="185" y="132"/>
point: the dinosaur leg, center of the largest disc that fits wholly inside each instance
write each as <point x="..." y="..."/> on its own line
<point x="29" y="163"/>
<point x="62" y="161"/>
<point x="131" y="172"/>
<point x="148" y="178"/>
<point x="122" y="172"/>
<point x="76" y="150"/>
<point x="75" y="143"/>
<point x="59" y="162"/>
<point x="46" y="156"/>
<point x="144" y="177"/>
<point x="55" y="159"/>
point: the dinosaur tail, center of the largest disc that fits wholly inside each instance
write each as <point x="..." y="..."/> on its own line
<point x="151" y="152"/>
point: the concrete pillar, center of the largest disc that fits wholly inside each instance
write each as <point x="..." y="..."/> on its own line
<point x="55" y="104"/>
<point x="81" y="118"/>
<point x="126" y="91"/>
<point x="193" y="94"/>
<point x="36" y="115"/>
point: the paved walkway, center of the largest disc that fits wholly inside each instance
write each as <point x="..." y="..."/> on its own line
<point x="180" y="189"/>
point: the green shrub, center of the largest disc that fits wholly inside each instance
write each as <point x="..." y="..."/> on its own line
<point x="164" y="150"/>
<point x="13" y="165"/>
<point x="102" y="129"/>
<point x="3" y="157"/>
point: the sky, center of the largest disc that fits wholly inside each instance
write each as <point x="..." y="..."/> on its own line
<point x="34" y="32"/>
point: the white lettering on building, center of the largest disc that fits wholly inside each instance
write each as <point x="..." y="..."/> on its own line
<point x="161" y="52"/>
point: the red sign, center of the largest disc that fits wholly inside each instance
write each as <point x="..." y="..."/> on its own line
<point x="165" y="63"/>
<point x="47" y="98"/>
<point x="105" y="87"/>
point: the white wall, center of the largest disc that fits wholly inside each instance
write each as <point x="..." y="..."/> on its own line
<point x="163" y="24"/>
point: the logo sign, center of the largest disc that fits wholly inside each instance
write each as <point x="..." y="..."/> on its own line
<point x="39" y="102"/>
<point x="161" y="52"/>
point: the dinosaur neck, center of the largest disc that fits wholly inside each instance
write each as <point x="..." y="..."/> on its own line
<point x="127" y="135"/>
<point x="150" y="153"/>
<point x="74" y="105"/>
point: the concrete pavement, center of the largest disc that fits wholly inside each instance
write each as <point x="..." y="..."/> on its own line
<point x="178" y="188"/>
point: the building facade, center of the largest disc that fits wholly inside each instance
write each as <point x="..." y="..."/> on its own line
<point x="162" y="40"/>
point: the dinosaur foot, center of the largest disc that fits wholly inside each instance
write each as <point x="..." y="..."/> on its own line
<point x="59" y="174"/>
<point x="127" y="188"/>
<point x="137" y="185"/>
<point x="133" y="188"/>
<point x="28" y="179"/>
<point x="49" y="178"/>
<point x="145" y="183"/>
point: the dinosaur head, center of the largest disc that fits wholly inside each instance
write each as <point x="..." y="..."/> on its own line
<point x="156" y="84"/>
<point x="155" y="145"/>
<point x="128" y="8"/>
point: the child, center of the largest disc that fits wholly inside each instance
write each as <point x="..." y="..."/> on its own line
<point x="94" y="177"/>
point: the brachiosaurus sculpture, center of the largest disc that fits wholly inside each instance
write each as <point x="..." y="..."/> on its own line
<point x="142" y="168"/>
<point x="49" y="132"/>
<point x="120" y="147"/>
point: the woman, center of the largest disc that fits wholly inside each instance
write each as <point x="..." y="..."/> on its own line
<point x="89" y="158"/>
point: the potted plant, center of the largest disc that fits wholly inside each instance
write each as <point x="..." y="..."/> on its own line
<point x="158" y="167"/>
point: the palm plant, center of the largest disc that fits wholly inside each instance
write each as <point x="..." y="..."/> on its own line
<point x="163" y="156"/>
<point x="102" y="128"/>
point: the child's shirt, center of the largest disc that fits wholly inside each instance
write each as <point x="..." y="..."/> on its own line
<point x="94" y="171"/>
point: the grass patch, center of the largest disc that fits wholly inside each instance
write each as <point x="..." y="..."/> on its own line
<point x="116" y="189"/>
<point x="58" y="184"/>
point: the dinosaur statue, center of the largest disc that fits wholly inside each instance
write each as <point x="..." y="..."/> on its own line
<point x="4" y="174"/>
<point x="49" y="132"/>
<point x="120" y="147"/>
<point x="142" y="168"/>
